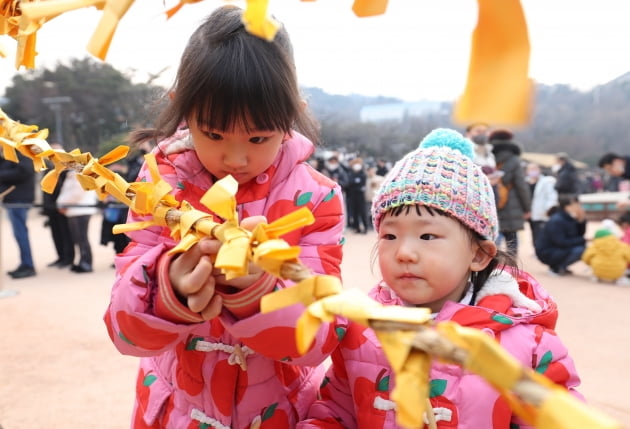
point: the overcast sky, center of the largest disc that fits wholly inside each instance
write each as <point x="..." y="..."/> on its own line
<point x="418" y="50"/>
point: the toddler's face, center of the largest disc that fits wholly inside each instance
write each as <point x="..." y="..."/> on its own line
<point x="426" y="259"/>
<point x="242" y="154"/>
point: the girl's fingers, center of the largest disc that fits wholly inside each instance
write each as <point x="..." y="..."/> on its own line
<point x="251" y="222"/>
<point x="208" y="246"/>
<point x="213" y="309"/>
<point x="191" y="282"/>
<point x="199" y="300"/>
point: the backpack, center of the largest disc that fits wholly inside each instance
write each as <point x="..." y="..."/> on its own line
<point x="503" y="191"/>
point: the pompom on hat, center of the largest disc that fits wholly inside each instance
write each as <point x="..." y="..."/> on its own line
<point x="441" y="174"/>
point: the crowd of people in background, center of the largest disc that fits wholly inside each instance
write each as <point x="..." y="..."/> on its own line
<point x="545" y="197"/>
<point x="68" y="210"/>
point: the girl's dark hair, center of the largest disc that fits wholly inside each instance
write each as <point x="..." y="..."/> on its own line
<point x="477" y="278"/>
<point x="228" y="77"/>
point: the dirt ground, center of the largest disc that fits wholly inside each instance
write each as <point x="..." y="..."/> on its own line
<point x="58" y="368"/>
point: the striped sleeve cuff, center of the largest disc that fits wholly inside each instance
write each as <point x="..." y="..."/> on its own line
<point x="246" y="303"/>
<point x="167" y="305"/>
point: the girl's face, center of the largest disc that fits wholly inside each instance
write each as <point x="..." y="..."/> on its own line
<point x="427" y="259"/>
<point x="242" y="154"/>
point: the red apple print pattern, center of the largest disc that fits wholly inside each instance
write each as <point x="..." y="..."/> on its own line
<point x="365" y="392"/>
<point x="437" y="388"/>
<point x="555" y="371"/>
<point x="278" y="342"/>
<point x="274" y="418"/>
<point x="223" y="381"/>
<point x="189" y="371"/>
<point x="143" y="393"/>
<point x="136" y="332"/>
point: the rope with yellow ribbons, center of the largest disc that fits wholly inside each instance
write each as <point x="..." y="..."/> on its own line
<point x="21" y="19"/>
<point x="263" y="246"/>
<point x="410" y="340"/>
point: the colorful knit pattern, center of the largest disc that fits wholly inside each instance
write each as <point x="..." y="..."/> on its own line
<point x="441" y="174"/>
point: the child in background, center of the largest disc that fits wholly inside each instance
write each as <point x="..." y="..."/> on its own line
<point x="624" y="224"/>
<point x="436" y="221"/>
<point x="209" y="358"/>
<point x="608" y="257"/>
<point x="612" y="227"/>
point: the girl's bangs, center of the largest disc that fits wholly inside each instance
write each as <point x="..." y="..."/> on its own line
<point x="254" y="97"/>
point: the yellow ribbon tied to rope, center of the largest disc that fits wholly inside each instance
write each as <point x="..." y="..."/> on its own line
<point x="498" y="89"/>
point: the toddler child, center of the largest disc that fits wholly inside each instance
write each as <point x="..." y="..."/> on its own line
<point x="436" y="221"/>
<point x="608" y="257"/>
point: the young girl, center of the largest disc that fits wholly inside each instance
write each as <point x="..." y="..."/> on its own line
<point x="436" y="221"/>
<point x="209" y="359"/>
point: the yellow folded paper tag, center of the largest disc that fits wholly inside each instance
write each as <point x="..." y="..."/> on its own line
<point x="498" y="89"/>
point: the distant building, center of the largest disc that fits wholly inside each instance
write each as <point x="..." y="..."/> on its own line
<point x="399" y="111"/>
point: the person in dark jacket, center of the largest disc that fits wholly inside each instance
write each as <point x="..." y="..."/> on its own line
<point x="567" y="179"/>
<point x="58" y="222"/>
<point x="355" y="194"/>
<point x="516" y="210"/>
<point x="17" y="202"/>
<point x="615" y="165"/>
<point x="561" y="242"/>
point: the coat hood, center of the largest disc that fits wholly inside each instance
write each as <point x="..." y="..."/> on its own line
<point x="508" y="298"/>
<point x="504" y="149"/>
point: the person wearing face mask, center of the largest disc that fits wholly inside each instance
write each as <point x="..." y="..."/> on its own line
<point x="355" y="194"/>
<point x="478" y="134"/>
<point x="567" y="178"/>
<point x="561" y="241"/>
<point x="544" y="197"/>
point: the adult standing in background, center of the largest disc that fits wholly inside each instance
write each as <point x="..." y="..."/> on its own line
<point x="544" y="197"/>
<point x="478" y="134"/>
<point x="337" y="172"/>
<point x="567" y="179"/>
<point x="372" y="185"/>
<point x="118" y="215"/>
<point x="355" y="193"/>
<point x="134" y="162"/>
<point x="381" y="169"/>
<point x="21" y="175"/>
<point x="516" y="210"/>
<point x="78" y="205"/>
<point x="615" y="165"/>
<point x="618" y="167"/>
<point x="58" y="222"/>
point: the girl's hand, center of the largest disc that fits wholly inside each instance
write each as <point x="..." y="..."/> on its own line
<point x="255" y="272"/>
<point x="192" y="278"/>
<point x="195" y="279"/>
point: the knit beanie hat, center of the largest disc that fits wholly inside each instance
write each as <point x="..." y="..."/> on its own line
<point x="600" y="233"/>
<point x="441" y="174"/>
